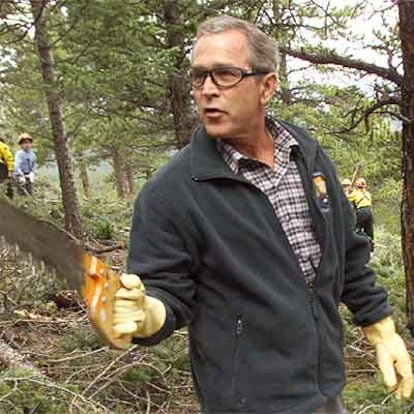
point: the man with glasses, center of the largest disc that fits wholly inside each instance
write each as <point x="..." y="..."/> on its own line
<point x="247" y="238"/>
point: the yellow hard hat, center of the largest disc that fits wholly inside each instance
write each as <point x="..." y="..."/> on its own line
<point x="346" y="181"/>
<point x="25" y="136"/>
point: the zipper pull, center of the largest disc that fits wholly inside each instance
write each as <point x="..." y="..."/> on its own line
<point x="239" y="326"/>
<point x="312" y="301"/>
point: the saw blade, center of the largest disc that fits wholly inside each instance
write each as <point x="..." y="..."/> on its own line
<point x="43" y="241"/>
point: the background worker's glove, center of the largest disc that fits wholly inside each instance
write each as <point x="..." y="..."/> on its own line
<point x="31" y="176"/>
<point x="136" y="313"/>
<point x="393" y="358"/>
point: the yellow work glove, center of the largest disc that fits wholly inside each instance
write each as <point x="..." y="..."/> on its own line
<point x="136" y="313"/>
<point x="393" y="358"/>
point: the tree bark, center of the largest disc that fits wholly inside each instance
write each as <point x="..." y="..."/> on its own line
<point x="284" y="81"/>
<point x="129" y="176"/>
<point x="73" y="222"/>
<point x="280" y="35"/>
<point x="406" y="26"/>
<point x="178" y="88"/>
<point x="84" y="176"/>
<point x="118" y="172"/>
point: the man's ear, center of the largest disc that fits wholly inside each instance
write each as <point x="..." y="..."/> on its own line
<point x="268" y="87"/>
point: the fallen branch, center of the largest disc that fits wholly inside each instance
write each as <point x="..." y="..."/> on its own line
<point x="13" y="360"/>
<point x="108" y="249"/>
<point x="94" y="405"/>
<point x="108" y="367"/>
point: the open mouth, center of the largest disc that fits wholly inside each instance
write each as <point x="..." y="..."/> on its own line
<point x="212" y="112"/>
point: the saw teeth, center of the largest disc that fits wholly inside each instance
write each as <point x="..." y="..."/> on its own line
<point x="30" y="259"/>
<point x="16" y="251"/>
<point x="53" y="272"/>
<point x="4" y="246"/>
<point x="42" y="266"/>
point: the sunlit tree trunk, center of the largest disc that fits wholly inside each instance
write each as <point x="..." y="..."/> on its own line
<point x="73" y="222"/>
<point x="84" y="176"/>
<point x="118" y="172"/>
<point x="286" y="94"/>
<point x="129" y="177"/>
<point x="280" y="36"/>
<point x="406" y="13"/>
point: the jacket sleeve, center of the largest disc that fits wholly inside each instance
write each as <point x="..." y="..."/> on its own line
<point x="8" y="158"/>
<point x="365" y="299"/>
<point x="17" y="163"/>
<point x="160" y="255"/>
<point x="34" y="163"/>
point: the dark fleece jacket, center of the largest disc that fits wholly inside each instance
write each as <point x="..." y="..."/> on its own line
<point x="208" y="244"/>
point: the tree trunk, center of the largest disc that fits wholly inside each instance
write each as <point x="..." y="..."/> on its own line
<point x="73" y="222"/>
<point x="129" y="176"/>
<point x="84" y="176"/>
<point x="280" y="35"/>
<point x="178" y="88"/>
<point x="406" y="14"/>
<point x="118" y="172"/>
<point x="284" y="81"/>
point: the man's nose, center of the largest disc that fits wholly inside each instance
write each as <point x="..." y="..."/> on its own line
<point x="209" y="87"/>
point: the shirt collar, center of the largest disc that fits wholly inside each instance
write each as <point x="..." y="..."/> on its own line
<point x="283" y="141"/>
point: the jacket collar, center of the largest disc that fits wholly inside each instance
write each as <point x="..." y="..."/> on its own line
<point x="207" y="162"/>
<point x="308" y="146"/>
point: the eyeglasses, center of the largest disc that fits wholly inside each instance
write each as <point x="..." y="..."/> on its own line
<point x="223" y="77"/>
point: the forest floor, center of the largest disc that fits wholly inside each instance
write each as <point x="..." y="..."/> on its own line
<point x="48" y="326"/>
<point x="80" y="375"/>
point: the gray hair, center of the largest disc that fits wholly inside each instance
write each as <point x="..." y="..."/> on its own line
<point x="264" y="54"/>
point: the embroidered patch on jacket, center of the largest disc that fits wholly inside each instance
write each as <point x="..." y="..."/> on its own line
<point x="321" y="192"/>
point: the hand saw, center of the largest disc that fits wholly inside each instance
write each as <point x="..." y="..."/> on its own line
<point x="356" y="174"/>
<point x="52" y="246"/>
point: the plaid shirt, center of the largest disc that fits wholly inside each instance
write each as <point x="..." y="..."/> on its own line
<point x="283" y="187"/>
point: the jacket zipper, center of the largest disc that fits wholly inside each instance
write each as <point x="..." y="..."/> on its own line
<point x="310" y="287"/>
<point x="320" y="224"/>
<point x="237" y="334"/>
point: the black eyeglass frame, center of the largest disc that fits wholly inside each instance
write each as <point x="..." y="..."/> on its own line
<point x="243" y="74"/>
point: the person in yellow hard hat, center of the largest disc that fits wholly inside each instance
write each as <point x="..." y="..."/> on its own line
<point x="360" y="197"/>
<point x="346" y="185"/>
<point x="6" y="167"/>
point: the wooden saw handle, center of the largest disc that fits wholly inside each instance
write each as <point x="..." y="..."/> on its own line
<point x="101" y="284"/>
